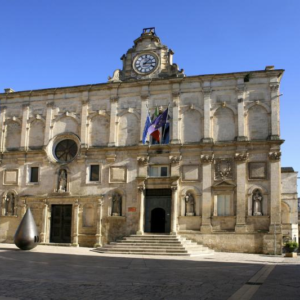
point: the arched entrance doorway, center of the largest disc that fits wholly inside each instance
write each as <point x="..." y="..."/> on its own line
<point x="158" y="220"/>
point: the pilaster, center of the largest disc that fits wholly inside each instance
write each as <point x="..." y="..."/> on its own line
<point x="241" y="112"/>
<point x="44" y="222"/>
<point x="241" y="159"/>
<point x="113" y="120"/>
<point x="84" y="124"/>
<point x="175" y="121"/>
<point x="2" y="126"/>
<point x="48" y="122"/>
<point x="207" y="123"/>
<point x="275" y="131"/>
<point x="76" y="224"/>
<point x="24" y="129"/>
<point x="206" y="161"/>
<point x="141" y="197"/>
<point x="275" y="191"/>
<point x="144" y="112"/>
<point x="174" y="220"/>
<point x="98" y="243"/>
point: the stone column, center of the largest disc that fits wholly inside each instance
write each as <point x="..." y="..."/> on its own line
<point x="44" y="222"/>
<point x="241" y="159"/>
<point x="24" y="129"/>
<point x="84" y="127"/>
<point x="175" y="120"/>
<point x="141" y="193"/>
<point x="98" y="243"/>
<point x="76" y="224"/>
<point x="206" y="161"/>
<point x="144" y="112"/>
<point x="48" y="123"/>
<point x="275" y="129"/>
<point x="207" y="123"/>
<point x="113" y="121"/>
<point x="275" y="191"/>
<point x="174" y="219"/>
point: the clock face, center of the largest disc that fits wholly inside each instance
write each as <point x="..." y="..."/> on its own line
<point x="145" y="63"/>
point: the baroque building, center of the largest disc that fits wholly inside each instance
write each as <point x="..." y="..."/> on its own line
<point x="75" y="156"/>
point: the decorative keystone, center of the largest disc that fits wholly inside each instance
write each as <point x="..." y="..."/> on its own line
<point x="241" y="157"/>
<point x="207" y="159"/>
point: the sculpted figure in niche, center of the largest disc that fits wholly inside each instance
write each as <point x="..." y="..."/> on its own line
<point x="62" y="181"/>
<point x="189" y="204"/>
<point x="257" y="199"/>
<point x="116" y="205"/>
<point x="10" y="204"/>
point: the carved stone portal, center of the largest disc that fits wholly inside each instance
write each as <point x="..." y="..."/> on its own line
<point x="257" y="199"/>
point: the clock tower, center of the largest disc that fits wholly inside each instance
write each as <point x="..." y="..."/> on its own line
<point x="147" y="59"/>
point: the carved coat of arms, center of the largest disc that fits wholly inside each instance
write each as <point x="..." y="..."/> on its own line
<point x="223" y="169"/>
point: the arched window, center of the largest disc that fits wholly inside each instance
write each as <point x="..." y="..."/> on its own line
<point x="116" y="205"/>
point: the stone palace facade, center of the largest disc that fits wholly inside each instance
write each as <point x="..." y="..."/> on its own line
<point x="74" y="156"/>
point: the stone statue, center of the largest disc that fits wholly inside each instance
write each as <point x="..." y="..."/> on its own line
<point x="62" y="181"/>
<point x="116" y="205"/>
<point x="10" y="204"/>
<point x="257" y="199"/>
<point x="189" y="204"/>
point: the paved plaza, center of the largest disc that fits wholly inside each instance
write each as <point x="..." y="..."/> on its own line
<point x="48" y="272"/>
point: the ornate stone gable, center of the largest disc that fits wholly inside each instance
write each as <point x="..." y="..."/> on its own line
<point x="147" y="59"/>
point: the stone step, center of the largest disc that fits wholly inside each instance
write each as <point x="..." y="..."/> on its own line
<point x="150" y="244"/>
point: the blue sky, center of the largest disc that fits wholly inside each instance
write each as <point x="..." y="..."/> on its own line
<point x="63" y="43"/>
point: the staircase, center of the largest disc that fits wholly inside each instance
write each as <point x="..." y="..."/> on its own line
<point x="151" y="244"/>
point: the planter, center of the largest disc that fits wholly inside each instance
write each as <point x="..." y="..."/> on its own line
<point x="292" y="254"/>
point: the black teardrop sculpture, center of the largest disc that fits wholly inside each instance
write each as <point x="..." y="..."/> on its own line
<point x="26" y="236"/>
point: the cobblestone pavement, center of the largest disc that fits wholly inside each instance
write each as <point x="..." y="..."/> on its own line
<point x="49" y="272"/>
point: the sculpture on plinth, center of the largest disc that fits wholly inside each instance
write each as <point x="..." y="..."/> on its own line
<point x="189" y="204"/>
<point x="257" y="199"/>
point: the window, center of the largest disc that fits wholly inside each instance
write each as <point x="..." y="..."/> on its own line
<point x="34" y="174"/>
<point x="223" y="205"/>
<point x="159" y="171"/>
<point x="94" y="173"/>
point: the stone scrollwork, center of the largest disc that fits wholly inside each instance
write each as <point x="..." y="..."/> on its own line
<point x="116" y="76"/>
<point x="274" y="87"/>
<point x="175" y="159"/>
<point x="143" y="160"/>
<point x="141" y="188"/>
<point x="274" y="156"/>
<point x="174" y="188"/>
<point x="207" y="159"/>
<point x="223" y="169"/>
<point x="241" y="157"/>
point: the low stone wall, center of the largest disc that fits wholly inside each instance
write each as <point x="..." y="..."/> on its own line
<point x="235" y="242"/>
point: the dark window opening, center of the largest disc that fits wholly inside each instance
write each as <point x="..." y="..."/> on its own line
<point x="94" y="173"/>
<point x="34" y="174"/>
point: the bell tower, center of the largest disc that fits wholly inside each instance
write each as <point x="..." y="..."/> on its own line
<point x="147" y="59"/>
